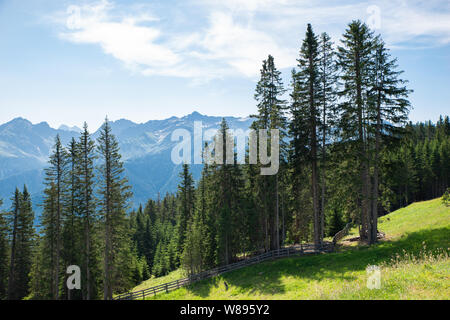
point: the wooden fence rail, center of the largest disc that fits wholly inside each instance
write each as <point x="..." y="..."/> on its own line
<point x="341" y="234"/>
<point x="169" y="286"/>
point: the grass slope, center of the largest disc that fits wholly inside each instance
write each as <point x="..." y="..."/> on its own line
<point x="413" y="259"/>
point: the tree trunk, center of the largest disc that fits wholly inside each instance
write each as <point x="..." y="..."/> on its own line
<point x="322" y="206"/>
<point x="87" y="225"/>
<point x="58" y="224"/>
<point x="314" y="171"/>
<point x="277" y="213"/>
<point x="364" y="234"/>
<point x="375" y="173"/>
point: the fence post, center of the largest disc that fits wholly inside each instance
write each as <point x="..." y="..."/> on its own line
<point x="178" y="285"/>
<point x="167" y="288"/>
<point x="143" y="294"/>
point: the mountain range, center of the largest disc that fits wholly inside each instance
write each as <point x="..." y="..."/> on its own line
<point x="145" y="148"/>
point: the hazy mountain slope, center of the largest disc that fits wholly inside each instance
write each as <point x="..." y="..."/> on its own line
<point x="145" y="147"/>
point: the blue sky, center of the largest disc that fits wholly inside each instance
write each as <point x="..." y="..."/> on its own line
<point x="68" y="61"/>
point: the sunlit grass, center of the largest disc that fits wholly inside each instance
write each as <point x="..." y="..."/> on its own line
<point x="413" y="259"/>
<point x="174" y="275"/>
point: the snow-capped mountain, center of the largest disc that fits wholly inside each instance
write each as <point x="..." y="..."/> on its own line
<point x="145" y="148"/>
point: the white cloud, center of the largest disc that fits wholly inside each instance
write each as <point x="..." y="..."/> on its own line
<point x="415" y="22"/>
<point x="125" y="39"/>
<point x="234" y="36"/>
<point x="243" y="47"/>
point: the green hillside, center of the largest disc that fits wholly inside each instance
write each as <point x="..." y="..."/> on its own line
<point x="413" y="259"/>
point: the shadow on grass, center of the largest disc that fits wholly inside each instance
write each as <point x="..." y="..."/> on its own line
<point x="265" y="278"/>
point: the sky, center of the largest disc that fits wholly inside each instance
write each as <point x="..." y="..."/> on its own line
<point x="66" y="62"/>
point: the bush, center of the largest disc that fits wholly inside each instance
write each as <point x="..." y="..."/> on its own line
<point x="446" y="197"/>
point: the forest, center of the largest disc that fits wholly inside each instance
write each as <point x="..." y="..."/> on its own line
<point x="348" y="154"/>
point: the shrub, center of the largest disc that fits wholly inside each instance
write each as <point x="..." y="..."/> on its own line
<point x="446" y="197"/>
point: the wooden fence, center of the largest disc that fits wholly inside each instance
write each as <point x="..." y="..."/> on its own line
<point x="274" y="254"/>
<point x="341" y="234"/>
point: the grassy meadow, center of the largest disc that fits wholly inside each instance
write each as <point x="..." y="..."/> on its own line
<point x="413" y="258"/>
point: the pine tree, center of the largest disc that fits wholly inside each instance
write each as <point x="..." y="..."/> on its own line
<point x="206" y="218"/>
<point x="13" y="223"/>
<point x="114" y="192"/>
<point x="43" y="273"/>
<point x="390" y="108"/>
<point x="86" y="204"/>
<point x="40" y="282"/>
<point x="327" y="73"/>
<point x="25" y="240"/>
<point x="306" y="112"/>
<point x="226" y="178"/>
<point x="186" y="210"/>
<point x="54" y="179"/>
<point x="72" y="227"/>
<point x="193" y="258"/>
<point x="271" y="115"/>
<point x="355" y="58"/>
<point x="4" y="259"/>
<point x="299" y="199"/>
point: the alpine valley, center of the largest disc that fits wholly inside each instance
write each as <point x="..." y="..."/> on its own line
<point x="145" y="147"/>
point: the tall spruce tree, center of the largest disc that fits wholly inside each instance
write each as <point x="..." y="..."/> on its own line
<point x="54" y="179"/>
<point x="72" y="227"/>
<point x="86" y="204"/>
<point x="114" y="195"/>
<point x="207" y="215"/>
<point x="43" y="275"/>
<point x="306" y="113"/>
<point x="13" y="227"/>
<point x="355" y="58"/>
<point x="271" y="115"/>
<point x="186" y="206"/>
<point x="327" y="73"/>
<point x="25" y="240"/>
<point x="299" y="198"/>
<point x="4" y="259"/>
<point x="388" y="113"/>
<point x="193" y="258"/>
<point x="226" y="177"/>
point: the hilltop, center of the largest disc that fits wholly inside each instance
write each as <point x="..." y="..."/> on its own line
<point x="413" y="259"/>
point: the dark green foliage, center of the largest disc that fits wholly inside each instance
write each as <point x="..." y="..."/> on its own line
<point x="446" y="197"/>
<point x="4" y="258"/>
<point x="416" y="168"/>
<point x="114" y="193"/>
<point x="72" y="233"/>
<point x="187" y="202"/>
<point x="25" y="241"/>
<point x="86" y="205"/>
<point x="21" y="232"/>
<point x="271" y="115"/>
<point x="355" y="58"/>
<point x="306" y="119"/>
<point x="54" y="180"/>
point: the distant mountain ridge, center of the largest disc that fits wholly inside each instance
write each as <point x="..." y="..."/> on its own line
<point x="145" y="148"/>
